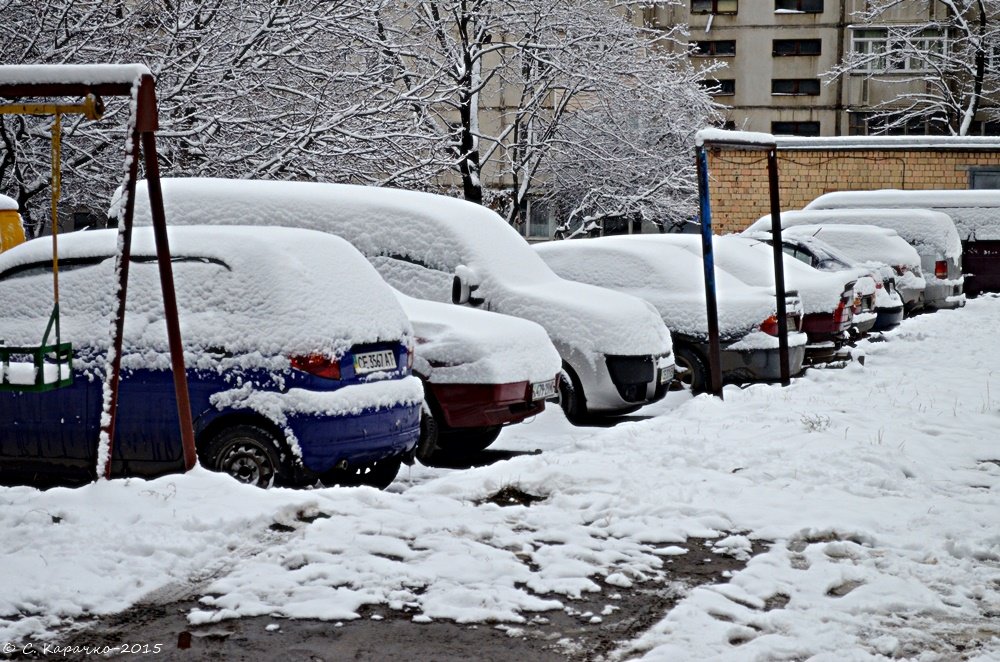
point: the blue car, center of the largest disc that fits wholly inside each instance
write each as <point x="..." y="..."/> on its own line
<point x="291" y="381"/>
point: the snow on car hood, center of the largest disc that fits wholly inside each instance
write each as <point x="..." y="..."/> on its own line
<point x="863" y="243"/>
<point x="248" y="291"/>
<point x="440" y="233"/>
<point x="668" y="277"/>
<point x="920" y="220"/>
<point x="458" y="345"/>
<point x="752" y="262"/>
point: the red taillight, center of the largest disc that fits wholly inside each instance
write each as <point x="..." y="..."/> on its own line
<point x="941" y="269"/>
<point x="318" y="365"/>
<point x="770" y="325"/>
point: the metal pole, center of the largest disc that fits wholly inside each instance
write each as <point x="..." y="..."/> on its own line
<point x="708" y="259"/>
<point x="148" y="127"/>
<point x="779" y="266"/>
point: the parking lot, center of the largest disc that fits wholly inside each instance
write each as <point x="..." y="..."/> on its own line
<point x="858" y="505"/>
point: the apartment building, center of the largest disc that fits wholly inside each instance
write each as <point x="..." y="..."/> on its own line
<point x="776" y="54"/>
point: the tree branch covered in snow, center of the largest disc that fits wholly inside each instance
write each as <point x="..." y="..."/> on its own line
<point x="945" y="71"/>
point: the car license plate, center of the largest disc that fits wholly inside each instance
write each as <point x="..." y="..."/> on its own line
<point x="665" y="375"/>
<point x="543" y="390"/>
<point x="374" y="361"/>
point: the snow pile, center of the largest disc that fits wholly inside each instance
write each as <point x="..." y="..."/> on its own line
<point x="425" y="238"/>
<point x="669" y="277"/>
<point x="260" y="294"/>
<point x="879" y="522"/>
<point x="7" y="203"/>
<point x="457" y="345"/>
<point x="971" y="212"/>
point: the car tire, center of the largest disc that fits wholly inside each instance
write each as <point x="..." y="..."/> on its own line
<point x="468" y="440"/>
<point x="250" y="454"/>
<point x="695" y="375"/>
<point x="571" y="399"/>
<point x="379" y="474"/>
<point x="430" y="435"/>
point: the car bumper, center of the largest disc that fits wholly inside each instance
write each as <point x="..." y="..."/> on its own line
<point x="939" y="295"/>
<point x="619" y="384"/>
<point x="759" y="365"/>
<point x="888" y="318"/>
<point x="484" y="405"/>
<point x="357" y="439"/>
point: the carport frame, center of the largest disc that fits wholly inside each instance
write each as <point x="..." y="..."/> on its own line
<point x="137" y="83"/>
<point x="718" y="140"/>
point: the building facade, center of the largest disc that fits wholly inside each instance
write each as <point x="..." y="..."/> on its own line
<point x="777" y="56"/>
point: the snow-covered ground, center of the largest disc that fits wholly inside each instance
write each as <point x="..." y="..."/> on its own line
<point x="879" y="486"/>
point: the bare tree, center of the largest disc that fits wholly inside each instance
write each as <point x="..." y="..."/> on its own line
<point x="944" y="71"/>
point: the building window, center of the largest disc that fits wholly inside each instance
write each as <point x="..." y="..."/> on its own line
<point x="791" y="47"/>
<point x="809" y="129"/>
<point x="723" y="48"/>
<point x="725" y="87"/>
<point x="799" y="6"/>
<point x="795" y="86"/>
<point x="887" y="124"/>
<point x="904" y="48"/>
<point x="714" y="6"/>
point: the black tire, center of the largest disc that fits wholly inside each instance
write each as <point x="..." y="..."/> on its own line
<point x="378" y="474"/>
<point x="692" y="369"/>
<point x="430" y="435"/>
<point x="468" y="440"/>
<point x="250" y="454"/>
<point x="571" y="398"/>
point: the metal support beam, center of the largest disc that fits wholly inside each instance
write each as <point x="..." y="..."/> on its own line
<point x="779" y="266"/>
<point x="708" y="258"/>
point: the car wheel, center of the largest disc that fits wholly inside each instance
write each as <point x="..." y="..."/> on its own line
<point x="430" y="435"/>
<point x="248" y="453"/>
<point x="571" y="399"/>
<point x="379" y="474"/>
<point x="691" y="368"/>
<point x="468" y="440"/>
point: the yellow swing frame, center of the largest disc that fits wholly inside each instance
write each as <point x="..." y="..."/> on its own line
<point x="57" y="356"/>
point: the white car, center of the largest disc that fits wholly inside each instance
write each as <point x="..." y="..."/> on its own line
<point x="933" y="234"/>
<point x="671" y="279"/>
<point x="616" y="351"/>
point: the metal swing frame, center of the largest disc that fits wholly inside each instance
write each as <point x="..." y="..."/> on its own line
<point x="94" y="82"/>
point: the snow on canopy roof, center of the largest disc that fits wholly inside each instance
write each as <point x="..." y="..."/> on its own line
<point x="888" y="142"/>
<point x="733" y="137"/>
<point x="469" y="346"/>
<point x="930" y="232"/>
<point x="83" y="74"/>
<point x="864" y="243"/>
<point x="440" y="233"/>
<point x="7" y="203"/>
<point x="976" y="213"/>
<point x="263" y="291"/>
<point x="752" y="262"/>
<point x="669" y="277"/>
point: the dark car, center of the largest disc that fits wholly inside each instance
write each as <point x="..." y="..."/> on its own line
<point x="290" y="381"/>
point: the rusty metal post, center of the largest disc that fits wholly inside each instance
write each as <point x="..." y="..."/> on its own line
<point x="112" y="380"/>
<point x="708" y="259"/>
<point x="147" y="129"/>
<point x="779" y="266"/>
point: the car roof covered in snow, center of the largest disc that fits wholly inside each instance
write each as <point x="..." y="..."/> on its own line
<point x="669" y="277"/>
<point x="930" y="232"/>
<point x="438" y="232"/>
<point x="248" y="290"/>
<point x="864" y="243"/>
<point x="974" y="212"/>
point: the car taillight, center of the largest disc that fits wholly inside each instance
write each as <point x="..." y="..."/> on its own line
<point x="941" y="269"/>
<point x="318" y="365"/>
<point x="770" y="325"/>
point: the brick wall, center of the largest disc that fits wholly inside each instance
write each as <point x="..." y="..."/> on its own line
<point x="739" y="184"/>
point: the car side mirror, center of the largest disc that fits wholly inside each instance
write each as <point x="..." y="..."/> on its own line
<point x="465" y="284"/>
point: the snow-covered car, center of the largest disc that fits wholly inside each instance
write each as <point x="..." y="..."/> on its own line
<point x="616" y="351"/>
<point x="671" y="279"/>
<point x="933" y="233"/>
<point x="481" y="371"/>
<point x="827" y="299"/>
<point x="11" y="226"/>
<point x="877" y="305"/>
<point x="880" y="250"/>
<point x="290" y="380"/>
